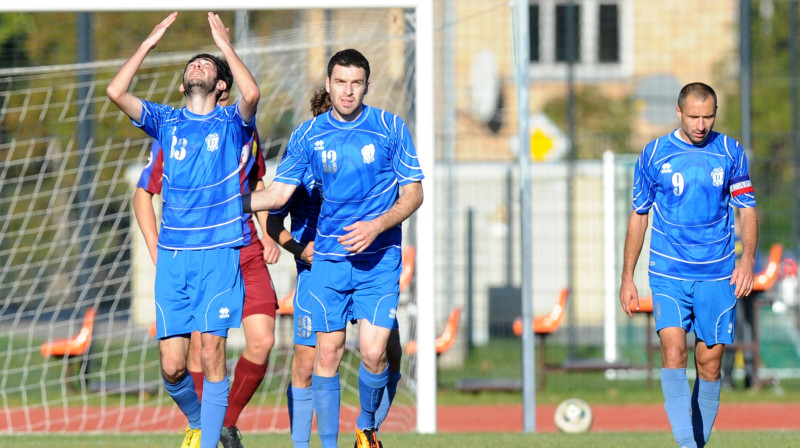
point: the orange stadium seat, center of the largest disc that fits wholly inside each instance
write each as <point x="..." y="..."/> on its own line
<point x="77" y="346"/>
<point x="409" y="260"/>
<point x="646" y="308"/>
<point x="544" y="326"/>
<point x="765" y="279"/>
<point x="286" y="304"/>
<point x="74" y="346"/>
<point x="446" y="339"/>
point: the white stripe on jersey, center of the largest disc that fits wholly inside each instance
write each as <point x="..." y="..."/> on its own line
<point x="201" y="228"/>
<point x="206" y="206"/>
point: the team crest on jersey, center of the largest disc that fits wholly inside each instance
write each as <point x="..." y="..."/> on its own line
<point x="717" y="176"/>
<point x="212" y="142"/>
<point x="666" y="168"/>
<point x="245" y="156"/>
<point x="368" y="153"/>
<point x="319" y="145"/>
<point x="224" y="312"/>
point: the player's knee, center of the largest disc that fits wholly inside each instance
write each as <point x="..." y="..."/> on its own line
<point x="301" y="374"/>
<point x="708" y="369"/>
<point x="374" y="358"/>
<point x="212" y="354"/>
<point x="172" y="369"/>
<point x="260" y="349"/>
<point x="673" y="357"/>
<point x="329" y="356"/>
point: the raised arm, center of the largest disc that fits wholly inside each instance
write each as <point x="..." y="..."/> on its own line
<point x="117" y="90"/>
<point x="362" y="233"/>
<point x="241" y="75"/>
<point x="634" y="240"/>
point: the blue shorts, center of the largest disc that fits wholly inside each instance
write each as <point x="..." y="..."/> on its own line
<point x="706" y="307"/>
<point x="198" y="290"/>
<point x="345" y="290"/>
<point x="303" y="334"/>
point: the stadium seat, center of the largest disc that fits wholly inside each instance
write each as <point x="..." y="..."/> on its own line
<point x="646" y="308"/>
<point x="763" y="282"/>
<point x="544" y="326"/>
<point x="77" y="346"/>
<point x="766" y="279"/>
<point x="446" y="339"/>
<point x="409" y="259"/>
<point x="286" y="304"/>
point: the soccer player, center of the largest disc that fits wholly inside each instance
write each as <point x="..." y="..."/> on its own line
<point x="371" y="182"/>
<point x="692" y="178"/>
<point x="198" y="276"/>
<point x="304" y="207"/>
<point x="260" y="301"/>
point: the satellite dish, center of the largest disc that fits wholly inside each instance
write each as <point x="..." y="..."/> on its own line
<point x="484" y="86"/>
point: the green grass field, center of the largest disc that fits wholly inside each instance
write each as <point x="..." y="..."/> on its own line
<point x="544" y="440"/>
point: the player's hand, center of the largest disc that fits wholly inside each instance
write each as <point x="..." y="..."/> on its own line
<point x="308" y="253"/>
<point x="158" y="32"/>
<point x="743" y="278"/>
<point x="153" y="254"/>
<point x="272" y="253"/>
<point x="360" y="235"/>
<point x="218" y="31"/>
<point x="629" y="298"/>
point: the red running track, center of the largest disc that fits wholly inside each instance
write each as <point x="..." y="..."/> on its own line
<point x="484" y="418"/>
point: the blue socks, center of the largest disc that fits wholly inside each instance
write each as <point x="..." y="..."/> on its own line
<point x="301" y="412"/>
<point x="370" y="392"/>
<point x="388" y="398"/>
<point x="678" y="404"/>
<point x="215" y="403"/>
<point x="326" y="395"/>
<point x="705" y="404"/>
<point x="185" y="397"/>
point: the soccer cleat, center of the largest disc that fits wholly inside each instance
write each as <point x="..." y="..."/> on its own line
<point x="192" y="438"/>
<point x="230" y="437"/>
<point x="367" y="438"/>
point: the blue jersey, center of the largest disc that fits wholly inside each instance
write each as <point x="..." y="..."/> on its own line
<point x="691" y="190"/>
<point x="252" y="170"/>
<point x="201" y="174"/>
<point x="361" y="166"/>
<point x="303" y="207"/>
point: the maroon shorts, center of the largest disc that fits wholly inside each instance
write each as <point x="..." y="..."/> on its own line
<point x="259" y="292"/>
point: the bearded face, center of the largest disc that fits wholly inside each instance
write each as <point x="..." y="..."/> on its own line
<point x="200" y="77"/>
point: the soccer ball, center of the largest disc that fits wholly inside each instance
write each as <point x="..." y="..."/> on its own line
<point x="573" y="415"/>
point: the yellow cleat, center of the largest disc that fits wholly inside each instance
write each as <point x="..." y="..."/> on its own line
<point x="192" y="438"/>
<point x="367" y="438"/>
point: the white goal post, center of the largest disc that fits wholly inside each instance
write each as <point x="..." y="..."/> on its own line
<point x="424" y="140"/>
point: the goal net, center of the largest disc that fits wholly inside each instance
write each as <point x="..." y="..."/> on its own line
<point x="69" y="244"/>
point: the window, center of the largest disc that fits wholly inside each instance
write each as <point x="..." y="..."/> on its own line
<point x="595" y="34"/>
<point x="608" y="31"/>
<point x="568" y="32"/>
<point x="533" y="31"/>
